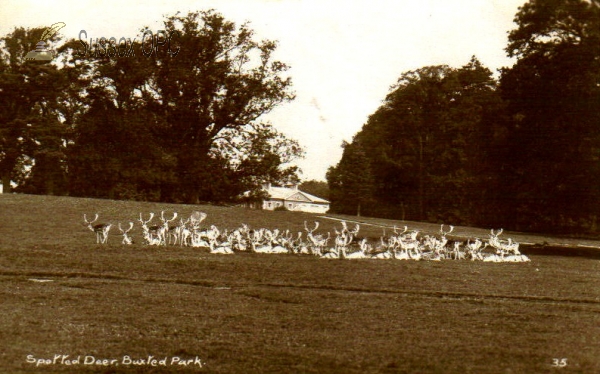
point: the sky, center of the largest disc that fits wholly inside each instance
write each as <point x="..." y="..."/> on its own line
<point x="344" y="55"/>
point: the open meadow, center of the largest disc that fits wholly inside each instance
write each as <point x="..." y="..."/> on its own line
<point x="70" y="305"/>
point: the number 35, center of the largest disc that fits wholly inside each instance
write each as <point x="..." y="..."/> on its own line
<point x="559" y="362"/>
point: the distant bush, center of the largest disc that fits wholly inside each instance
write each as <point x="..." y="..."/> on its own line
<point x="281" y="208"/>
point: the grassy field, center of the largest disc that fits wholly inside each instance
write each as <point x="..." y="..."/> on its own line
<point x="66" y="300"/>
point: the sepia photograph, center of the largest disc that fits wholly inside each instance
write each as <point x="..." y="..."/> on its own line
<point x="300" y="186"/>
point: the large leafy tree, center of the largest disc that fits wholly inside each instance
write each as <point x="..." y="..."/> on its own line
<point x="116" y="149"/>
<point x="469" y="186"/>
<point x="180" y="122"/>
<point x="419" y="113"/>
<point x="220" y="81"/>
<point x="553" y="95"/>
<point x="115" y="154"/>
<point x="256" y="155"/>
<point x="429" y="145"/>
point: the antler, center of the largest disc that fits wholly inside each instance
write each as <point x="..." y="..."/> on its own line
<point x="198" y="216"/>
<point x="446" y="233"/>
<point x="165" y="221"/>
<point x="311" y="231"/>
<point x="125" y="231"/>
<point x="348" y="240"/>
<point x="88" y="222"/>
<point x="202" y="216"/>
<point x="146" y="222"/>
<point x="363" y="244"/>
<point x="496" y="234"/>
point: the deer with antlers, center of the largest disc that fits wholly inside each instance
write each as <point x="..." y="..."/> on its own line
<point x="163" y="230"/>
<point x="150" y="232"/>
<point x="362" y="253"/>
<point x="181" y="234"/>
<point x="344" y="238"/>
<point x="198" y="238"/>
<point x="494" y="238"/>
<point x="474" y="248"/>
<point x="126" y="238"/>
<point x="101" y="229"/>
<point x="318" y="241"/>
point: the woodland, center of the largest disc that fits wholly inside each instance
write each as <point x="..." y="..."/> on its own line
<point x="518" y="148"/>
<point x="458" y="145"/>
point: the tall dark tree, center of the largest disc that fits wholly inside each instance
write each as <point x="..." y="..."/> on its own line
<point x="470" y="185"/>
<point x="430" y="143"/>
<point x="30" y="130"/>
<point x="351" y="182"/>
<point x="116" y="149"/>
<point x="116" y="156"/>
<point x="220" y="81"/>
<point x="553" y="95"/>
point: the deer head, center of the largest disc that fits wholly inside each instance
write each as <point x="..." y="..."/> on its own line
<point x="89" y="223"/>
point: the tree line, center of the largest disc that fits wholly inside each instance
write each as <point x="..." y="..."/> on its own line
<point x="160" y="126"/>
<point x="457" y="145"/>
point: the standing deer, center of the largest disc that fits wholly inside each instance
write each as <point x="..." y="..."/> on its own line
<point x="150" y="233"/>
<point x="163" y="230"/>
<point x="101" y="229"/>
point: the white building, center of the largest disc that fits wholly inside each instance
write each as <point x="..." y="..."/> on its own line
<point x="293" y="199"/>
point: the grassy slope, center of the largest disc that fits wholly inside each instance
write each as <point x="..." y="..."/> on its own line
<point x="278" y="313"/>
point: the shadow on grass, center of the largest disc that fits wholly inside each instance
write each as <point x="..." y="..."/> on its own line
<point x="543" y="250"/>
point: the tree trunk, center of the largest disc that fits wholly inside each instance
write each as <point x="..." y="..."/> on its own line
<point x="403" y="211"/>
<point x="194" y="197"/>
<point x="421" y="179"/>
<point x="358" y="210"/>
<point x="6" y="183"/>
<point x="195" y="167"/>
<point x="50" y="186"/>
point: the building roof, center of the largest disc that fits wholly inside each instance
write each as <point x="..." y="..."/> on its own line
<point x="294" y="194"/>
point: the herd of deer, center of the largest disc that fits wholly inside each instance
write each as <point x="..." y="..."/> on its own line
<point x="405" y="245"/>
